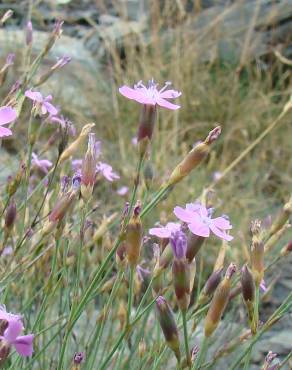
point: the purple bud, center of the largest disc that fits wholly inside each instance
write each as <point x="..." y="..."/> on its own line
<point x="178" y="242"/>
<point x="247" y="284"/>
<point x="78" y="358"/>
<point x="10" y="59"/>
<point x="230" y="271"/>
<point x="212" y="282"/>
<point x="137" y="208"/>
<point x="10" y="215"/>
<point x="28" y="36"/>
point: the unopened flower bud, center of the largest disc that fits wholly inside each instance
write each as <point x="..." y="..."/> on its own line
<point x="257" y="253"/>
<point x="6" y="16"/>
<point x="268" y="361"/>
<point x="4" y="350"/>
<point x="248" y="292"/>
<point x="88" y="171"/>
<point x="10" y="215"/>
<point x="75" y="145"/>
<point x="287" y="249"/>
<point x="142" y="348"/>
<point x="62" y="206"/>
<point x="121" y="255"/>
<point x="77" y="360"/>
<point x="13" y="183"/>
<point x="210" y="287"/>
<point x="194" y="243"/>
<point x="146" y="126"/>
<point x="168" y="325"/>
<point x="282" y="217"/>
<point x="134" y="235"/>
<point x="180" y="270"/>
<point x="219" y="302"/>
<point x="28" y="35"/>
<point x="194" y="157"/>
<point x="57" y="31"/>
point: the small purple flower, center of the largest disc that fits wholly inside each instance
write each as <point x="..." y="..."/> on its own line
<point x="199" y="221"/>
<point x="7" y="115"/>
<point x="178" y="242"/>
<point x="165" y="231"/>
<point x="42" y="164"/>
<point x="107" y="171"/>
<point x="61" y="62"/>
<point x="151" y="95"/>
<point x="78" y="357"/>
<point x="42" y="105"/>
<point x="123" y="191"/>
<point x="23" y="344"/>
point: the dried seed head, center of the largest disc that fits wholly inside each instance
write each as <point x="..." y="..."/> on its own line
<point x="168" y="325"/>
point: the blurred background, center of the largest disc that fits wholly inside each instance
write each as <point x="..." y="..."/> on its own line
<point x="230" y="59"/>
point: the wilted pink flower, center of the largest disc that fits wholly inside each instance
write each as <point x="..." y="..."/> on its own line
<point x="123" y="191"/>
<point x="199" y="221"/>
<point x="22" y="344"/>
<point x="165" y="231"/>
<point x="65" y="123"/>
<point x="41" y="164"/>
<point x="151" y="95"/>
<point x="107" y="171"/>
<point x="7" y="115"/>
<point x="41" y="104"/>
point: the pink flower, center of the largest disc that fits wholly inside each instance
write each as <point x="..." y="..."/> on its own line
<point x="165" y="231"/>
<point x="42" y="105"/>
<point x="7" y="316"/>
<point x="22" y="344"/>
<point x="122" y="191"/>
<point x="7" y="115"/>
<point x="107" y="171"/>
<point x="151" y="95"/>
<point x="41" y="164"/>
<point x="200" y="222"/>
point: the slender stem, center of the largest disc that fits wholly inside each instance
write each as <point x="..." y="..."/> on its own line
<point x="155" y="200"/>
<point x="187" y="349"/>
<point x="255" y="322"/>
<point x="202" y="354"/>
<point x="131" y="293"/>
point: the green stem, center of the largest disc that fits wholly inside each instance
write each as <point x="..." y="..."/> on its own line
<point x="131" y="293"/>
<point x="202" y="354"/>
<point x="256" y="310"/>
<point x="187" y="349"/>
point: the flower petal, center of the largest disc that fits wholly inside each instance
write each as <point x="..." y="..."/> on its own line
<point x="13" y="330"/>
<point x="221" y="234"/>
<point x="183" y="214"/>
<point x="5" y="131"/>
<point x="160" y="232"/>
<point x="135" y="94"/>
<point x="7" y="115"/>
<point x="170" y="94"/>
<point x="34" y="95"/>
<point x="24" y="345"/>
<point x="51" y="109"/>
<point x="222" y="223"/>
<point x="166" y="104"/>
<point x="200" y="229"/>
